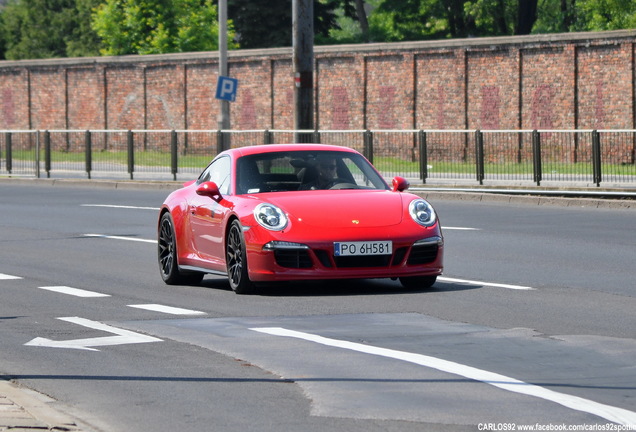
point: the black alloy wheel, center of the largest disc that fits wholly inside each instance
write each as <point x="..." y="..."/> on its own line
<point x="167" y="256"/>
<point x="236" y="260"/>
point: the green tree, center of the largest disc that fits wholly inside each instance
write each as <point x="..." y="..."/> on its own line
<point x="47" y="28"/>
<point x="83" y="40"/>
<point x="351" y="24"/>
<point x="157" y="26"/>
<point x="37" y="28"/>
<point x="585" y="15"/>
<point x="600" y="15"/>
<point x="269" y="24"/>
<point x="416" y="20"/>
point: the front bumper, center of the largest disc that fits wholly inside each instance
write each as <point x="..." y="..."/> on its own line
<point x="293" y="261"/>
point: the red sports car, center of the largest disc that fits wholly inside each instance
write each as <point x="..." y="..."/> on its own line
<point x="297" y="212"/>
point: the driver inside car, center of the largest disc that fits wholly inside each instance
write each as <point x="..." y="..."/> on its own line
<point x="326" y="170"/>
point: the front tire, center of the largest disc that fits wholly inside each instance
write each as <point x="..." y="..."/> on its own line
<point x="418" y="282"/>
<point x="167" y="256"/>
<point x="236" y="260"/>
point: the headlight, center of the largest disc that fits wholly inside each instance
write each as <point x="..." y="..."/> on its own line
<point x="271" y="217"/>
<point x="422" y="212"/>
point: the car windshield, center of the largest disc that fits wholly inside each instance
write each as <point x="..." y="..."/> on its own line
<point x="306" y="171"/>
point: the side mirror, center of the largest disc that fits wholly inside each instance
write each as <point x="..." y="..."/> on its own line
<point x="400" y="184"/>
<point x="209" y="189"/>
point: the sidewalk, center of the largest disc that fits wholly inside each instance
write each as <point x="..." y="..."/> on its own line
<point x="23" y="410"/>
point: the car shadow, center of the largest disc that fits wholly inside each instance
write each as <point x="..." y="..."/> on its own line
<point x="338" y="287"/>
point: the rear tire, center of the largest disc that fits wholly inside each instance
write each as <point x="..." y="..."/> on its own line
<point x="236" y="260"/>
<point x="167" y="256"/>
<point x="418" y="282"/>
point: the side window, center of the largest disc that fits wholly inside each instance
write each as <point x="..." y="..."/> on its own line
<point x="219" y="173"/>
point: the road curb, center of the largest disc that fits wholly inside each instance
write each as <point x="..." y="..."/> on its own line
<point x="22" y="409"/>
<point x="540" y="200"/>
<point x="107" y="184"/>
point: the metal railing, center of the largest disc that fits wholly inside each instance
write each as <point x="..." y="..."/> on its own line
<point x="503" y="156"/>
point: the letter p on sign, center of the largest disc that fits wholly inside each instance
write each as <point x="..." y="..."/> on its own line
<point x="226" y="88"/>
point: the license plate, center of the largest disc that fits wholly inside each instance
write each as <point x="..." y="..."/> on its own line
<point x="363" y="248"/>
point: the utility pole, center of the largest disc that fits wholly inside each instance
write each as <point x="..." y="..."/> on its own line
<point x="303" y="60"/>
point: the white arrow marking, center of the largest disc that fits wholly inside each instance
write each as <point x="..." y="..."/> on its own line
<point x="123" y="337"/>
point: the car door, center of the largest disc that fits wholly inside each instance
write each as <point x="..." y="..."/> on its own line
<point x="207" y="214"/>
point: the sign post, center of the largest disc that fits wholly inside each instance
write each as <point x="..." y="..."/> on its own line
<point x="224" y="116"/>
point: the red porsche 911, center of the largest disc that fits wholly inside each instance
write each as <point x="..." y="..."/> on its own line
<point x="290" y="212"/>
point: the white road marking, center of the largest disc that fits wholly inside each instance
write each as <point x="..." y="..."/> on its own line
<point x="120" y="206"/>
<point x="123" y="337"/>
<point x="167" y="309"/>
<point x="74" y="291"/>
<point x="608" y="412"/>
<point x="120" y="238"/>
<point x="8" y="277"/>
<point x="460" y="228"/>
<point x="492" y="284"/>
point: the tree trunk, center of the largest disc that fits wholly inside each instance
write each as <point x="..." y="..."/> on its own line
<point x="362" y="18"/>
<point x="527" y="16"/>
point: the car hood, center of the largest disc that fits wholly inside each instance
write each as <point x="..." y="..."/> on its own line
<point x="341" y="208"/>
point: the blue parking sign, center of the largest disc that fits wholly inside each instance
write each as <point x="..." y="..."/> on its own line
<point x="226" y="88"/>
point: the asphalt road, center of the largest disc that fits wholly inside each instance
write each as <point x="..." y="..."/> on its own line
<point x="533" y="323"/>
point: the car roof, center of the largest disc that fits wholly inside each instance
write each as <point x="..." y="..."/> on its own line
<point x="271" y="148"/>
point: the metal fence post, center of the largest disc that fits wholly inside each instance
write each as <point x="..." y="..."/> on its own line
<point x="632" y="155"/>
<point x="368" y="145"/>
<point x="37" y="153"/>
<point x="88" y="144"/>
<point x="220" y="141"/>
<point x="596" y="157"/>
<point x="174" y="161"/>
<point x="8" y="152"/>
<point x="421" y="138"/>
<point x="536" y="157"/>
<point x="479" y="156"/>
<point x="267" y="137"/>
<point x="131" y="153"/>
<point x="47" y="153"/>
<point x="316" y="137"/>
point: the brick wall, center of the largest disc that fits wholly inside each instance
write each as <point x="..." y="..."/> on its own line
<point x="567" y="81"/>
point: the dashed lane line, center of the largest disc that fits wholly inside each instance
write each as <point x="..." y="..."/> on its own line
<point x="74" y="291"/>
<point x="491" y="284"/>
<point x="92" y="294"/>
<point x="120" y="238"/>
<point x="8" y="277"/>
<point x="167" y="309"/>
<point x="120" y="207"/>
<point x="608" y="412"/>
